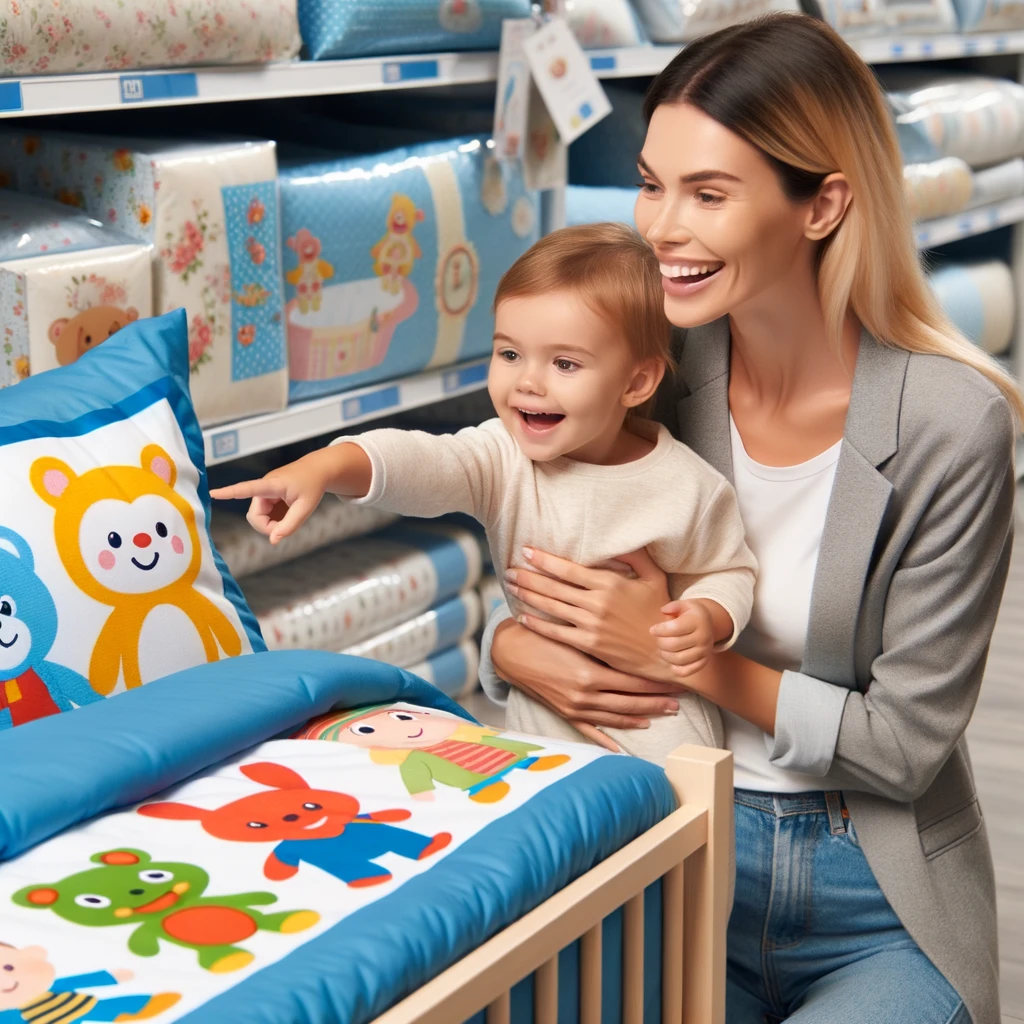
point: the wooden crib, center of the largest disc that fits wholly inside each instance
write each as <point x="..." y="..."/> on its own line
<point x="689" y="851"/>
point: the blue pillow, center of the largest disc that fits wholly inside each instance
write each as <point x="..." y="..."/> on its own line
<point x="108" y="574"/>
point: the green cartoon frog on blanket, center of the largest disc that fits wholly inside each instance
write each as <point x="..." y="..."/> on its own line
<point x="433" y="747"/>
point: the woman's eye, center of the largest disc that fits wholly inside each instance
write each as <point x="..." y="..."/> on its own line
<point x="647" y="186"/>
<point x="708" y="199"/>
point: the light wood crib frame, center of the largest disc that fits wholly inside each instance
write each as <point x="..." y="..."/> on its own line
<point x="689" y="850"/>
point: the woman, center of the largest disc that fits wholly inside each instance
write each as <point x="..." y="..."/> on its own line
<point x="871" y="449"/>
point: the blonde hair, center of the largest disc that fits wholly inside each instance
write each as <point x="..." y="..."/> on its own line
<point x="613" y="271"/>
<point x="789" y="85"/>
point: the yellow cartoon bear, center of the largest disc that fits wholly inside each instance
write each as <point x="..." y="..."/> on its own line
<point x="129" y="540"/>
<point x="396" y="253"/>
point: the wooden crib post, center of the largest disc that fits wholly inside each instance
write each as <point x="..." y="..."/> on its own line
<point x="702" y="777"/>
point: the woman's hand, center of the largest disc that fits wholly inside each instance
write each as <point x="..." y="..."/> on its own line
<point x="610" y="615"/>
<point x="579" y="689"/>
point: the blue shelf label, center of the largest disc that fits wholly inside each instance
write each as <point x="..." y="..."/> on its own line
<point x="604" y="63"/>
<point x="10" y="96"/>
<point x="410" y="70"/>
<point x="375" y="401"/>
<point x="927" y="49"/>
<point x="225" y="444"/>
<point x="148" y="88"/>
<point x="896" y="49"/>
<point x="456" y="380"/>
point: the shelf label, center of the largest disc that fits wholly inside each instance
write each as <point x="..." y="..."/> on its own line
<point x="10" y="96"/>
<point x="148" y="88"/>
<point x="456" y="380"/>
<point x="224" y="444"/>
<point x="604" y="63"/>
<point x="410" y="70"/>
<point x="365" y="405"/>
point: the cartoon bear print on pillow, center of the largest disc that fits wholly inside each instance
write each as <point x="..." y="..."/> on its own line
<point x="128" y="540"/>
<point x="74" y="337"/>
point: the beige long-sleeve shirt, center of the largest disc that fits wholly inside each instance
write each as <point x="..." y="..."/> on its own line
<point x="669" y="501"/>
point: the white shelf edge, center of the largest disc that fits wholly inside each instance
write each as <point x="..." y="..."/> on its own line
<point x="68" y="94"/>
<point x="932" y="233"/>
<point x="230" y="441"/>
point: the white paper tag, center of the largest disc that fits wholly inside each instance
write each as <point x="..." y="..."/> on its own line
<point x="513" y="96"/>
<point x="570" y="89"/>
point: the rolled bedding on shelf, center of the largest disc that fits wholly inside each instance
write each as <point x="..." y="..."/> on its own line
<point x="592" y="205"/>
<point x="73" y="36"/>
<point x="247" y="552"/>
<point x="997" y="184"/>
<point x="455" y="671"/>
<point x="211" y="211"/>
<point x="355" y="590"/>
<point x="446" y="624"/>
<point x="392" y="260"/>
<point x="67" y="283"/>
<point x="979" y="298"/>
<point x="937" y="188"/>
<point x="672" y="21"/>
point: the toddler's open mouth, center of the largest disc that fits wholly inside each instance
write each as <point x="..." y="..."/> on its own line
<point x="539" y="422"/>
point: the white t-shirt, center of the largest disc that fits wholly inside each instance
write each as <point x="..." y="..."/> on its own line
<point x="783" y="510"/>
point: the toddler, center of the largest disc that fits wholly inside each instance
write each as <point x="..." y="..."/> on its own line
<point x="581" y="344"/>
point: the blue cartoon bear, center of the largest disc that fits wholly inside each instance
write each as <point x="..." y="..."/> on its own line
<point x="30" y="686"/>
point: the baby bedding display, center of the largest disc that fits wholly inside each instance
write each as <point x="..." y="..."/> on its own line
<point x="108" y="576"/>
<point x="679" y="21"/>
<point x="989" y="15"/>
<point x="980" y="120"/>
<point x="80" y="35"/>
<point x="938" y="188"/>
<point x="980" y="299"/>
<point x="247" y="552"/>
<point x="66" y="285"/>
<point x="332" y="29"/>
<point x="604" y="23"/>
<point x="588" y="205"/>
<point x="211" y="212"/>
<point x="855" y="18"/>
<point x="392" y="261"/>
<point x="424" y="846"/>
<point x="995" y="184"/>
<point x="445" y="625"/>
<point x="455" y="671"/>
<point x="351" y="591"/>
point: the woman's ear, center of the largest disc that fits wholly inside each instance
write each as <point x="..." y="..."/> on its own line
<point x="643" y="383"/>
<point x="828" y="207"/>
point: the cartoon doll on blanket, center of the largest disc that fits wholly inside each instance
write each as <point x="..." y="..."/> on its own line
<point x="31" y="991"/>
<point x="431" y="747"/>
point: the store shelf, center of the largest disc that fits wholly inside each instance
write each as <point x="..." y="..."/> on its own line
<point x="66" y="94"/>
<point x="973" y="222"/>
<point x="325" y="415"/>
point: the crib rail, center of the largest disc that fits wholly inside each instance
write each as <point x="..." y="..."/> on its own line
<point x="689" y="851"/>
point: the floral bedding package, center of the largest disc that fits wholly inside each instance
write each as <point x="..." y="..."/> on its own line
<point x="210" y="210"/>
<point x="114" y="35"/>
<point x="66" y="285"/>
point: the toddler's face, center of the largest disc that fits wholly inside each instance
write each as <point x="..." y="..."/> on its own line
<point x="558" y="376"/>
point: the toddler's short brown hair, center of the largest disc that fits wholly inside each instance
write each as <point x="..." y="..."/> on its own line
<point x="614" y="272"/>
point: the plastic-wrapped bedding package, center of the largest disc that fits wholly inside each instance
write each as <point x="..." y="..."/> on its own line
<point x="445" y="625"/>
<point x="351" y="591"/>
<point x="81" y="35"/>
<point x="938" y="188"/>
<point x="604" y="23"/>
<point x="585" y="204"/>
<point x="454" y="671"/>
<point x="67" y="284"/>
<point x="211" y="211"/>
<point x="979" y="298"/>
<point x="980" y="120"/>
<point x="247" y="552"/>
<point x="994" y="184"/>
<point x="343" y="28"/>
<point x="392" y="261"/>
<point x="854" y="18"/>
<point x="678" y="21"/>
<point x="989" y="15"/>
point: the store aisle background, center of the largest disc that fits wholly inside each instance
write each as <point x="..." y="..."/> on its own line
<point x="994" y="734"/>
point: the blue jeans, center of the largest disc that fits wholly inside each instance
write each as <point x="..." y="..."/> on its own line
<point x="812" y="939"/>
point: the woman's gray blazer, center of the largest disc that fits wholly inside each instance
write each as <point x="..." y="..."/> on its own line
<point x="910" y="574"/>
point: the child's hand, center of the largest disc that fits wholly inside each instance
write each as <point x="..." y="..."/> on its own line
<point x="284" y="499"/>
<point x="686" y="640"/>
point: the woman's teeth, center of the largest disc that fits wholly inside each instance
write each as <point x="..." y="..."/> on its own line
<point x="695" y="270"/>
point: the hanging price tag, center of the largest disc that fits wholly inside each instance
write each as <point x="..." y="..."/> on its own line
<point x="571" y="92"/>
<point x="513" y="96"/>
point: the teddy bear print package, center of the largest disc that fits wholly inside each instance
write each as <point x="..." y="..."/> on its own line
<point x="391" y="261"/>
<point x="66" y="284"/>
<point x="110" y="35"/>
<point x="210" y="211"/>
